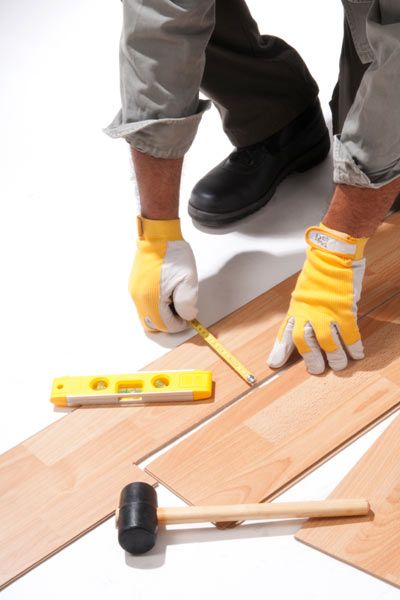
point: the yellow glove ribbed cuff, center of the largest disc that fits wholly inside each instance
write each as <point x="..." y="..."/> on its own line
<point x="324" y="238"/>
<point x="157" y="230"/>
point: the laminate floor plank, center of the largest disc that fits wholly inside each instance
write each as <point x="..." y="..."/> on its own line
<point x="35" y="524"/>
<point x="369" y="543"/>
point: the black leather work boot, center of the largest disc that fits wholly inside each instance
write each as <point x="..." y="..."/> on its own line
<point x="247" y="179"/>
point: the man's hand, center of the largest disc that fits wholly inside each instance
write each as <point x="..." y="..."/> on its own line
<point x="323" y="310"/>
<point x="163" y="281"/>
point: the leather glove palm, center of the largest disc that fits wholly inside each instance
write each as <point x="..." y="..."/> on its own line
<point x="323" y="310"/>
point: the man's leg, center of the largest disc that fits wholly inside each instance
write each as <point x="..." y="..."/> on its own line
<point x="351" y="71"/>
<point x="366" y="117"/>
<point x="367" y="151"/>
<point x="268" y="102"/>
<point x="258" y="83"/>
<point x="354" y="209"/>
<point x="162" y="58"/>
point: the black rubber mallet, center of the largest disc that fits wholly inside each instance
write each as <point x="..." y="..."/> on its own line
<point x="138" y="515"/>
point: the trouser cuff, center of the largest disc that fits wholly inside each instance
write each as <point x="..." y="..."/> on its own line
<point x="163" y="138"/>
<point x="347" y="170"/>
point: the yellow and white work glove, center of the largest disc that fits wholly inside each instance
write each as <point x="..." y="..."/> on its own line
<point x="163" y="281"/>
<point x="322" y="314"/>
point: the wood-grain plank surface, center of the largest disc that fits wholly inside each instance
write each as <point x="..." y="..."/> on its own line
<point x="73" y="470"/>
<point x="81" y="460"/>
<point x="36" y="524"/>
<point x="273" y="436"/>
<point x="369" y="543"/>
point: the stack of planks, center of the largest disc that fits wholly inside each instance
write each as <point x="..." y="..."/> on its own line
<point x="66" y="479"/>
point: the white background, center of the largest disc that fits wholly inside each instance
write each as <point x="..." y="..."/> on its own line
<point x="68" y="206"/>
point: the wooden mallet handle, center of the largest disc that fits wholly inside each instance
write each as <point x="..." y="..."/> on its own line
<point x="246" y="512"/>
<point x="138" y="515"/>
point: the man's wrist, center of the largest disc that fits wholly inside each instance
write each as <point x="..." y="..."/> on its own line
<point x="358" y="211"/>
<point x="335" y="242"/>
<point x="160" y="213"/>
<point x="159" y="229"/>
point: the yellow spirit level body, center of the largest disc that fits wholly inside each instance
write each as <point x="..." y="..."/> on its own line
<point x="132" y="388"/>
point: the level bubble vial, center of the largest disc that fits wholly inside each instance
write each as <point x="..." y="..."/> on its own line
<point x="99" y="384"/>
<point x="160" y="381"/>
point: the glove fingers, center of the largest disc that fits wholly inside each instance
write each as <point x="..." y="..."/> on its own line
<point x="183" y="307"/>
<point x="185" y="298"/>
<point x="299" y="337"/>
<point x="173" y="321"/>
<point x="178" y="287"/>
<point x="314" y="360"/>
<point x="306" y="343"/>
<point x="353" y="343"/>
<point x="337" y="359"/>
<point x="329" y="341"/>
<point x="170" y="321"/>
<point x="310" y="345"/>
<point x="356" y="350"/>
<point x="283" y="346"/>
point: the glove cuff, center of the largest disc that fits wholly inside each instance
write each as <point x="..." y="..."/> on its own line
<point x="151" y="229"/>
<point x="341" y="244"/>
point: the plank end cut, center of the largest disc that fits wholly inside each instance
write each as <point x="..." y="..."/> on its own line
<point x="368" y="543"/>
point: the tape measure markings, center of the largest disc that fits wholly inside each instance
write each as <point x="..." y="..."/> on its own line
<point x="220" y="349"/>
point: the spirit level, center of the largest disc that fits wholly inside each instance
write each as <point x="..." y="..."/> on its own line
<point x="134" y="388"/>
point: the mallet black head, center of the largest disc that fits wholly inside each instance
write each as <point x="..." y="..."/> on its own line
<point x="137" y="518"/>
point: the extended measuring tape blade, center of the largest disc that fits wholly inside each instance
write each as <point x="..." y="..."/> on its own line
<point x="220" y="349"/>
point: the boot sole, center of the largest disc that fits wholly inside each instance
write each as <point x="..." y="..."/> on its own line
<point x="313" y="157"/>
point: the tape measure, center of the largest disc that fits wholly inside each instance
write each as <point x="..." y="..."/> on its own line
<point x="134" y="388"/>
<point x="220" y="349"/>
